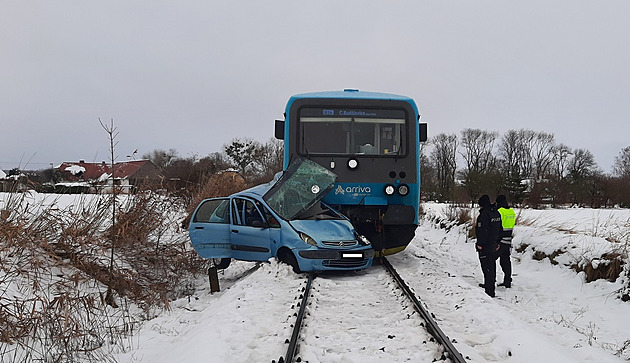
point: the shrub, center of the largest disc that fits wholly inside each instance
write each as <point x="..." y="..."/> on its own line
<point x="608" y="267"/>
<point x="60" y="300"/>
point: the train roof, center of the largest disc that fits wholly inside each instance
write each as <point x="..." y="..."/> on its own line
<point x="352" y="93"/>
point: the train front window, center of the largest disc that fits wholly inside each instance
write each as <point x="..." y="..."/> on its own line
<point x="352" y="132"/>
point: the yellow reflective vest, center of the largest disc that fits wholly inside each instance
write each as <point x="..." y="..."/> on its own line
<point x="508" y="220"/>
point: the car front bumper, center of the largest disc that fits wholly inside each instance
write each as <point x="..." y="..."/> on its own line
<point x="325" y="259"/>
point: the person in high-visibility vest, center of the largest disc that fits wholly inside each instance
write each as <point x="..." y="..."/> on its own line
<point x="508" y="220"/>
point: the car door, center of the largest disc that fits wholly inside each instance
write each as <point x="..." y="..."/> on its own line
<point x="210" y="228"/>
<point x="250" y="232"/>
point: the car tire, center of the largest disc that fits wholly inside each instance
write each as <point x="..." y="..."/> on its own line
<point x="288" y="257"/>
<point x="221" y="263"/>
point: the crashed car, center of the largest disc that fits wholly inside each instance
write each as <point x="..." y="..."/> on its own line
<point x="284" y="219"/>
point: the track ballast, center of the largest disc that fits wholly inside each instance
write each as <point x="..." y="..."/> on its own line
<point x="368" y="316"/>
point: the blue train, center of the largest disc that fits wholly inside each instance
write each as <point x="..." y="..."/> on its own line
<point x="371" y="142"/>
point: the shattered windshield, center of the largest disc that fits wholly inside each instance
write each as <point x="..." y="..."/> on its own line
<point x="300" y="187"/>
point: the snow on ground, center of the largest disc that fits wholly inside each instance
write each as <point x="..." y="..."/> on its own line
<point x="549" y="315"/>
<point x="247" y="321"/>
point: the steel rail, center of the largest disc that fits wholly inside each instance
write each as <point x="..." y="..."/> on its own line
<point x="292" y="349"/>
<point x="431" y="325"/>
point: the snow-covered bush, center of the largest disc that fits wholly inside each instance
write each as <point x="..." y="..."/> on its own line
<point x="64" y="295"/>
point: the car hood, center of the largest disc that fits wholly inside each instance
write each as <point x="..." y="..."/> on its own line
<point x="326" y="229"/>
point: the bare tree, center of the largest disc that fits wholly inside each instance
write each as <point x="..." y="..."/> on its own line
<point x="542" y="154"/>
<point x="477" y="152"/>
<point x="428" y="178"/>
<point x="583" y="175"/>
<point x="444" y="158"/>
<point x="112" y="133"/>
<point x="243" y="152"/>
<point x="478" y="146"/>
<point x="581" y="165"/>
<point x="161" y="158"/>
<point x="270" y="158"/>
<point x="560" y="162"/>
<point x="515" y="162"/>
<point x="514" y="152"/>
<point x="621" y="167"/>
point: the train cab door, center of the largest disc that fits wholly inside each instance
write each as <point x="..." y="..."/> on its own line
<point x="251" y="234"/>
<point x="210" y="228"/>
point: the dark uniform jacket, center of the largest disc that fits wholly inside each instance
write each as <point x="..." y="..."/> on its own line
<point x="488" y="229"/>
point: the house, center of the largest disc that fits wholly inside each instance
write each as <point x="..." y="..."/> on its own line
<point x="15" y="181"/>
<point x="97" y="177"/>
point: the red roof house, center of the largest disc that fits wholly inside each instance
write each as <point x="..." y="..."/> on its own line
<point x="127" y="174"/>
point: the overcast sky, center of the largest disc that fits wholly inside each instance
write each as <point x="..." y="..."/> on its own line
<point x="192" y="75"/>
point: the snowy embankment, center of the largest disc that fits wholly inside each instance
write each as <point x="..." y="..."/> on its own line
<point x="549" y="315"/>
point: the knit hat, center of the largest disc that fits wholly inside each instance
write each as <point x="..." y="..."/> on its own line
<point x="484" y="200"/>
<point x="502" y="201"/>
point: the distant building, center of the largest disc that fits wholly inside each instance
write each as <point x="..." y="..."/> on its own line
<point x="97" y="177"/>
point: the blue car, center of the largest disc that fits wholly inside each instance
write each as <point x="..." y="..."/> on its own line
<point x="284" y="219"/>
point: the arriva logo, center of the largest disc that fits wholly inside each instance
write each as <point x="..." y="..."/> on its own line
<point x="357" y="189"/>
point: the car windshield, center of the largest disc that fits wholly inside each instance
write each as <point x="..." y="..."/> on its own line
<point x="301" y="186"/>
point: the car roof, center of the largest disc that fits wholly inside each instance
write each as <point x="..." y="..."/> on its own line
<point x="258" y="190"/>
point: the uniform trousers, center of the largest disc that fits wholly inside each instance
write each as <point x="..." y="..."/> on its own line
<point x="503" y="255"/>
<point x="489" y="268"/>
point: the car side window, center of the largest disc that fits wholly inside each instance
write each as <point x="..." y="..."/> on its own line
<point x="237" y="211"/>
<point x="267" y="216"/>
<point x="212" y="211"/>
<point x="245" y="213"/>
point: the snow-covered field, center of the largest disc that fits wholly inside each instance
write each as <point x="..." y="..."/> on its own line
<point x="549" y="315"/>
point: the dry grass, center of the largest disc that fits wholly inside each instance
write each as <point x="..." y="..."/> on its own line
<point x="459" y="214"/>
<point x="59" y="299"/>
<point x="539" y="256"/>
<point x="217" y="185"/>
<point x="609" y="267"/>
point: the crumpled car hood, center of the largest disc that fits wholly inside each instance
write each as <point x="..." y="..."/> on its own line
<point x="325" y="230"/>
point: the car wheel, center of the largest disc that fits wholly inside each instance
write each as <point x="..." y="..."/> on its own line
<point x="288" y="257"/>
<point x="221" y="263"/>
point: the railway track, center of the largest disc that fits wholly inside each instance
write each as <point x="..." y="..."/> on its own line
<point x="382" y="321"/>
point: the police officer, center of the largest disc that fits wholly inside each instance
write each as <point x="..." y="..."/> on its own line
<point x="488" y="231"/>
<point x="508" y="219"/>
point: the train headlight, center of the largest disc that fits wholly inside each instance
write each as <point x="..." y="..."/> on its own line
<point x="403" y="190"/>
<point x="308" y="239"/>
<point x="390" y="189"/>
<point x="353" y="164"/>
